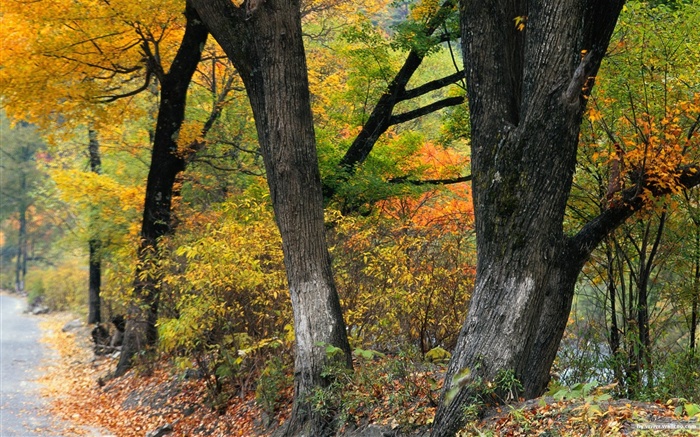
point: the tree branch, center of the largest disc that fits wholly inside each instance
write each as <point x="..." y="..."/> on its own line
<point x="631" y="201"/>
<point x="144" y="87"/>
<point x="449" y="181"/>
<point x="436" y="106"/>
<point x="432" y="86"/>
<point x="379" y="120"/>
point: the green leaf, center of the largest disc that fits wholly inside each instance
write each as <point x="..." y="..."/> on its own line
<point x="462" y="377"/>
<point x="450" y="395"/>
<point x="692" y="410"/>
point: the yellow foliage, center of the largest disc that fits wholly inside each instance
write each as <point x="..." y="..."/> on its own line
<point x="226" y="277"/>
<point x="189" y="134"/>
<point x="64" y="56"/>
<point x="424" y="10"/>
<point x="404" y="281"/>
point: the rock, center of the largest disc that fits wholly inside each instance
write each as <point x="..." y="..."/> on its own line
<point x="72" y="325"/>
<point x="160" y="431"/>
<point x="40" y="309"/>
<point x="438" y="355"/>
<point x="370" y="431"/>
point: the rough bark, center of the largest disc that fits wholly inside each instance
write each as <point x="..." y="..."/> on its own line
<point x="266" y="47"/>
<point x="165" y="165"/>
<point x="526" y="97"/>
<point x="95" y="264"/>
<point x="527" y="93"/>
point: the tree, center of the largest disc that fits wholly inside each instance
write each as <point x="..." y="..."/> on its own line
<point x="264" y="42"/>
<point x="641" y="116"/>
<point x="166" y="163"/>
<point x="95" y="264"/>
<point x="530" y="68"/>
<point x="19" y="176"/>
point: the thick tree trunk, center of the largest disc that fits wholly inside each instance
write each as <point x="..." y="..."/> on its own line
<point x="526" y="95"/>
<point x="166" y="163"/>
<point x="95" y="264"/>
<point x="264" y="42"/>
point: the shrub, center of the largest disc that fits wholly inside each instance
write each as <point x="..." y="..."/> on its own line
<point x="61" y="288"/>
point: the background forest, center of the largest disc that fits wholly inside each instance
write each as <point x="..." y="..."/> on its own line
<point x="82" y="87"/>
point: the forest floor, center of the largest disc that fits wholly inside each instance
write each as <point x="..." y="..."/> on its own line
<point x="154" y="402"/>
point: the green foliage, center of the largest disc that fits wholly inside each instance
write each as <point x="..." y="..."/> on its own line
<point x="273" y="383"/>
<point x="60" y="288"/>
<point x="367" y="354"/>
<point x="677" y="375"/>
<point x="589" y="392"/>
<point x="410" y="34"/>
<point x="401" y="389"/>
<point x="438" y="355"/>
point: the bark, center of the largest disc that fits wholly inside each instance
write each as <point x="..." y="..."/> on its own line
<point x="695" y="296"/>
<point x="95" y="264"/>
<point x="165" y="165"/>
<point x="526" y="96"/>
<point x="21" y="263"/>
<point x="266" y="47"/>
<point x="646" y="263"/>
<point x="527" y="93"/>
<point x="94" y="282"/>
<point x="614" y="337"/>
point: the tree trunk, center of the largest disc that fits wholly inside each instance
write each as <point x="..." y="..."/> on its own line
<point x="265" y="44"/>
<point x="612" y="292"/>
<point x="695" y="296"/>
<point x="95" y="274"/>
<point x="21" y="264"/>
<point x="526" y="94"/>
<point x="166" y="163"/>
<point x="94" y="282"/>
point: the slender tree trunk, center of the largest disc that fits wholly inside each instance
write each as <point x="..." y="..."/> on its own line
<point x="94" y="282"/>
<point x="95" y="274"/>
<point x="21" y="263"/>
<point x="166" y="163"/>
<point x="264" y="42"/>
<point x="647" y="266"/>
<point x="612" y="293"/>
<point x="614" y="335"/>
<point x="695" y="296"/>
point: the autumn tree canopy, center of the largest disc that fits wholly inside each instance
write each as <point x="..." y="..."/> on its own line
<point x="337" y="183"/>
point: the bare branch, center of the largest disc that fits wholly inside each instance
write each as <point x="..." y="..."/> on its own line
<point x="436" y="106"/>
<point x="449" y="181"/>
<point x="432" y="86"/>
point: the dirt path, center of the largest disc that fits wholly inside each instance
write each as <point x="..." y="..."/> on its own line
<point x="23" y="410"/>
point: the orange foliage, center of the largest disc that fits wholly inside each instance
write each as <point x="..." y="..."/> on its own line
<point x="135" y="404"/>
<point x="448" y="208"/>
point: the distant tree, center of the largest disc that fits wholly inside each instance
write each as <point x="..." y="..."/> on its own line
<point x="94" y="245"/>
<point x="18" y="177"/>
